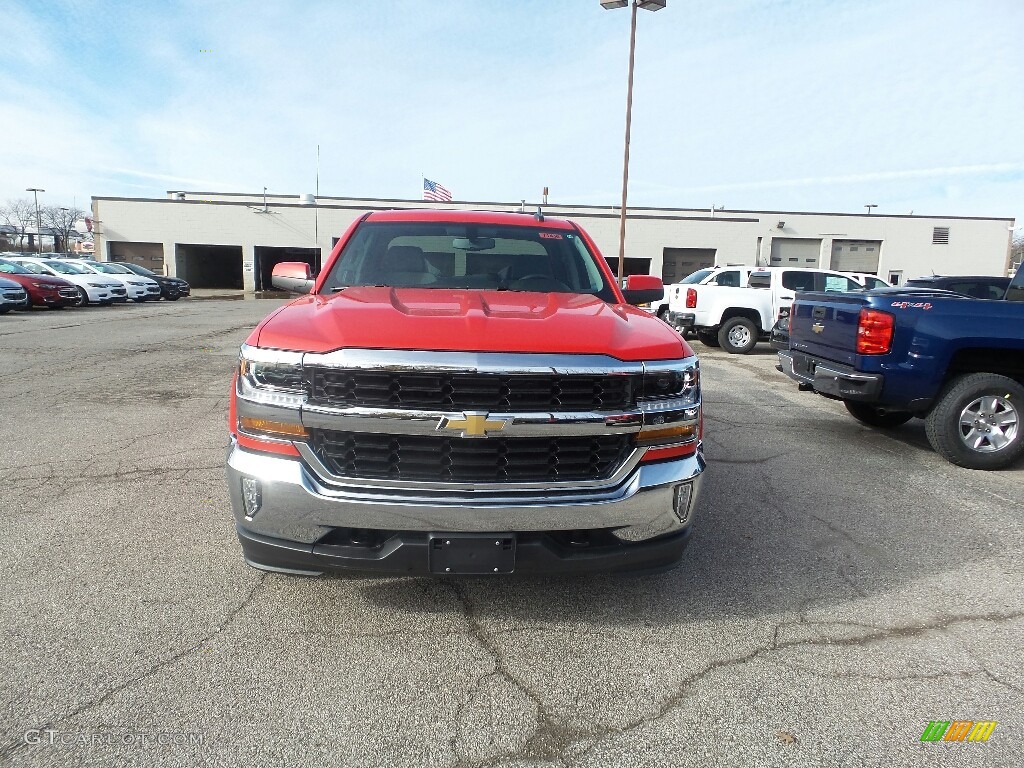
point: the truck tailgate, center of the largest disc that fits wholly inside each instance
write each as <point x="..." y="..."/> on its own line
<point x="825" y="325"/>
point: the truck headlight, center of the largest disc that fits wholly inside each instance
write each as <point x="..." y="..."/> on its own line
<point x="670" y="403"/>
<point x="271" y="376"/>
<point x="667" y="386"/>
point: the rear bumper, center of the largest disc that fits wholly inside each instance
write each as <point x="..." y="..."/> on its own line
<point x="681" y="320"/>
<point x="831" y="379"/>
<point x="643" y="522"/>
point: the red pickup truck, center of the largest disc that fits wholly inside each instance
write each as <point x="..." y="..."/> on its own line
<point x="464" y="393"/>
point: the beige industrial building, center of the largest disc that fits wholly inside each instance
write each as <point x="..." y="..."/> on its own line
<point x="232" y="241"/>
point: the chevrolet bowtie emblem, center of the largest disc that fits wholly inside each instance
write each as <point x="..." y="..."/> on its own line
<point x="473" y="424"/>
<point x="817" y="327"/>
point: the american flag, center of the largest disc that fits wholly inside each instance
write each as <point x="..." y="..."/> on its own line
<point x="434" y="191"/>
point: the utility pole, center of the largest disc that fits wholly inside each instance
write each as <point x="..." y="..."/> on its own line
<point x="39" y="235"/>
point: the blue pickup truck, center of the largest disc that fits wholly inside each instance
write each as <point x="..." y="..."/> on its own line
<point x="895" y="354"/>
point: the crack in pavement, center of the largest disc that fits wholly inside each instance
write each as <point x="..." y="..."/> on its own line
<point x="13" y="746"/>
<point x="881" y="635"/>
<point x="549" y="739"/>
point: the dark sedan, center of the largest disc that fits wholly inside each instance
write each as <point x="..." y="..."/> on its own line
<point x="171" y="288"/>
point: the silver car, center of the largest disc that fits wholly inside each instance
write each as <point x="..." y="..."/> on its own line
<point x="12" y="296"/>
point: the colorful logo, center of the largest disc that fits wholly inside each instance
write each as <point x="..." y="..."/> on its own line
<point x="958" y="730"/>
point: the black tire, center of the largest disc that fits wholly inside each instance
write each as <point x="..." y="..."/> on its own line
<point x="83" y="298"/>
<point x="707" y="338"/>
<point x="4" y="310"/>
<point x="978" y="421"/>
<point x="873" y="416"/>
<point x="173" y="298"/>
<point x="738" y="335"/>
<point x="139" y="301"/>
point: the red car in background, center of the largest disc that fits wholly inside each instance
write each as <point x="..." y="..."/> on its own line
<point x="43" y="290"/>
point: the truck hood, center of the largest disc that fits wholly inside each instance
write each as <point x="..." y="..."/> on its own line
<point x="468" y="320"/>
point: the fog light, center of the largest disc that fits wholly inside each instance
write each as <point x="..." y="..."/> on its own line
<point x="252" y="496"/>
<point x="681" y="501"/>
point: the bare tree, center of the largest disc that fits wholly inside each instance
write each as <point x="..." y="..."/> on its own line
<point x="61" y="221"/>
<point x="20" y="214"/>
<point x="1017" y="249"/>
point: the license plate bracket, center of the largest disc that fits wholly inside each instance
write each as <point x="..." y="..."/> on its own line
<point x="472" y="554"/>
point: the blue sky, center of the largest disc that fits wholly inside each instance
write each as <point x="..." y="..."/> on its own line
<point x="775" y="105"/>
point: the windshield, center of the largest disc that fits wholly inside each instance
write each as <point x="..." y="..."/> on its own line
<point x="11" y="268"/>
<point x="67" y="269"/>
<point x="1015" y="292"/>
<point x="110" y="269"/>
<point x="696" y="277"/>
<point x="138" y="270"/>
<point x="437" y="255"/>
<point x="31" y="266"/>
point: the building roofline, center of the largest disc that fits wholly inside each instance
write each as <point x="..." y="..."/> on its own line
<point x="722" y="215"/>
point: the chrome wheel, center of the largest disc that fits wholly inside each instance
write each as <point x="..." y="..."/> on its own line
<point x="739" y="336"/>
<point x="989" y="424"/>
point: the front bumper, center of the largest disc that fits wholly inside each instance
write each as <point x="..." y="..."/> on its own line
<point x="779" y="339"/>
<point x="99" y="295"/>
<point x="53" y="298"/>
<point x="296" y="529"/>
<point x="833" y="380"/>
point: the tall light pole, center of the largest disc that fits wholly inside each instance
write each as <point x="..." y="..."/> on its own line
<point x="869" y="206"/>
<point x="39" y="235"/>
<point x="647" y="5"/>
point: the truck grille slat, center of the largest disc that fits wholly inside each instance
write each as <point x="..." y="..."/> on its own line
<point x="493" y="459"/>
<point x="414" y="389"/>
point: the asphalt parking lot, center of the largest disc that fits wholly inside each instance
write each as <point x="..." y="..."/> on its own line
<point x="844" y="588"/>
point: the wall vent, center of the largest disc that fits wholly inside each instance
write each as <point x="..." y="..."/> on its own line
<point x="940" y="236"/>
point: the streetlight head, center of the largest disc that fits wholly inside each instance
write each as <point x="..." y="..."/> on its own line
<point x="609" y="5"/>
<point x="651" y="5"/>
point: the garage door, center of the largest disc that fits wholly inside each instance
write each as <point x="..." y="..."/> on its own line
<point x="855" y="255"/>
<point x="677" y="263"/>
<point x="795" y="252"/>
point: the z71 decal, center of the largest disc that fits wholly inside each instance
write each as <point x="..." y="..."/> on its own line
<point x="912" y="305"/>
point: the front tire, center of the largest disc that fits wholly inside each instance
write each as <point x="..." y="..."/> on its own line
<point x="977" y="421"/>
<point x="873" y="416"/>
<point x="738" y="335"/>
<point x="83" y="298"/>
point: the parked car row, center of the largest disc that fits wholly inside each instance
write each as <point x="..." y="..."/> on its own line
<point x="48" y="281"/>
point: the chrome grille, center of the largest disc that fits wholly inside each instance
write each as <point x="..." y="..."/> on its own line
<point x="461" y="391"/>
<point x="483" y="460"/>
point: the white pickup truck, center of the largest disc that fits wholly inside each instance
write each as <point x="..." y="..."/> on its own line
<point x="734" y="276"/>
<point x="737" y="315"/>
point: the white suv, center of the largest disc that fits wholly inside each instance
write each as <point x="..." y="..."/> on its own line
<point x="94" y="288"/>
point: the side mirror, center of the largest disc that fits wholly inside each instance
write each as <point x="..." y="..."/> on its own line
<point x="293" y="276"/>
<point x="640" y="289"/>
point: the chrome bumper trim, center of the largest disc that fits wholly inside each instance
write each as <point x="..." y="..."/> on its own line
<point x="296" y="506"/>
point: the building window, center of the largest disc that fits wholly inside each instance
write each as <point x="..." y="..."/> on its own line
<point x="940" y="236"/>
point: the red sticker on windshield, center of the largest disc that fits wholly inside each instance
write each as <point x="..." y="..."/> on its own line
<point x="550" y="235"/>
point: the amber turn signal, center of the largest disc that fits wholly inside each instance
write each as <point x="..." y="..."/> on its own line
<point x="276" y="428"/>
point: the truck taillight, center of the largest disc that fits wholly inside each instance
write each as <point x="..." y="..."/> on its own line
<point x="874" y="332"/>
<point x="691" y="298"/>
